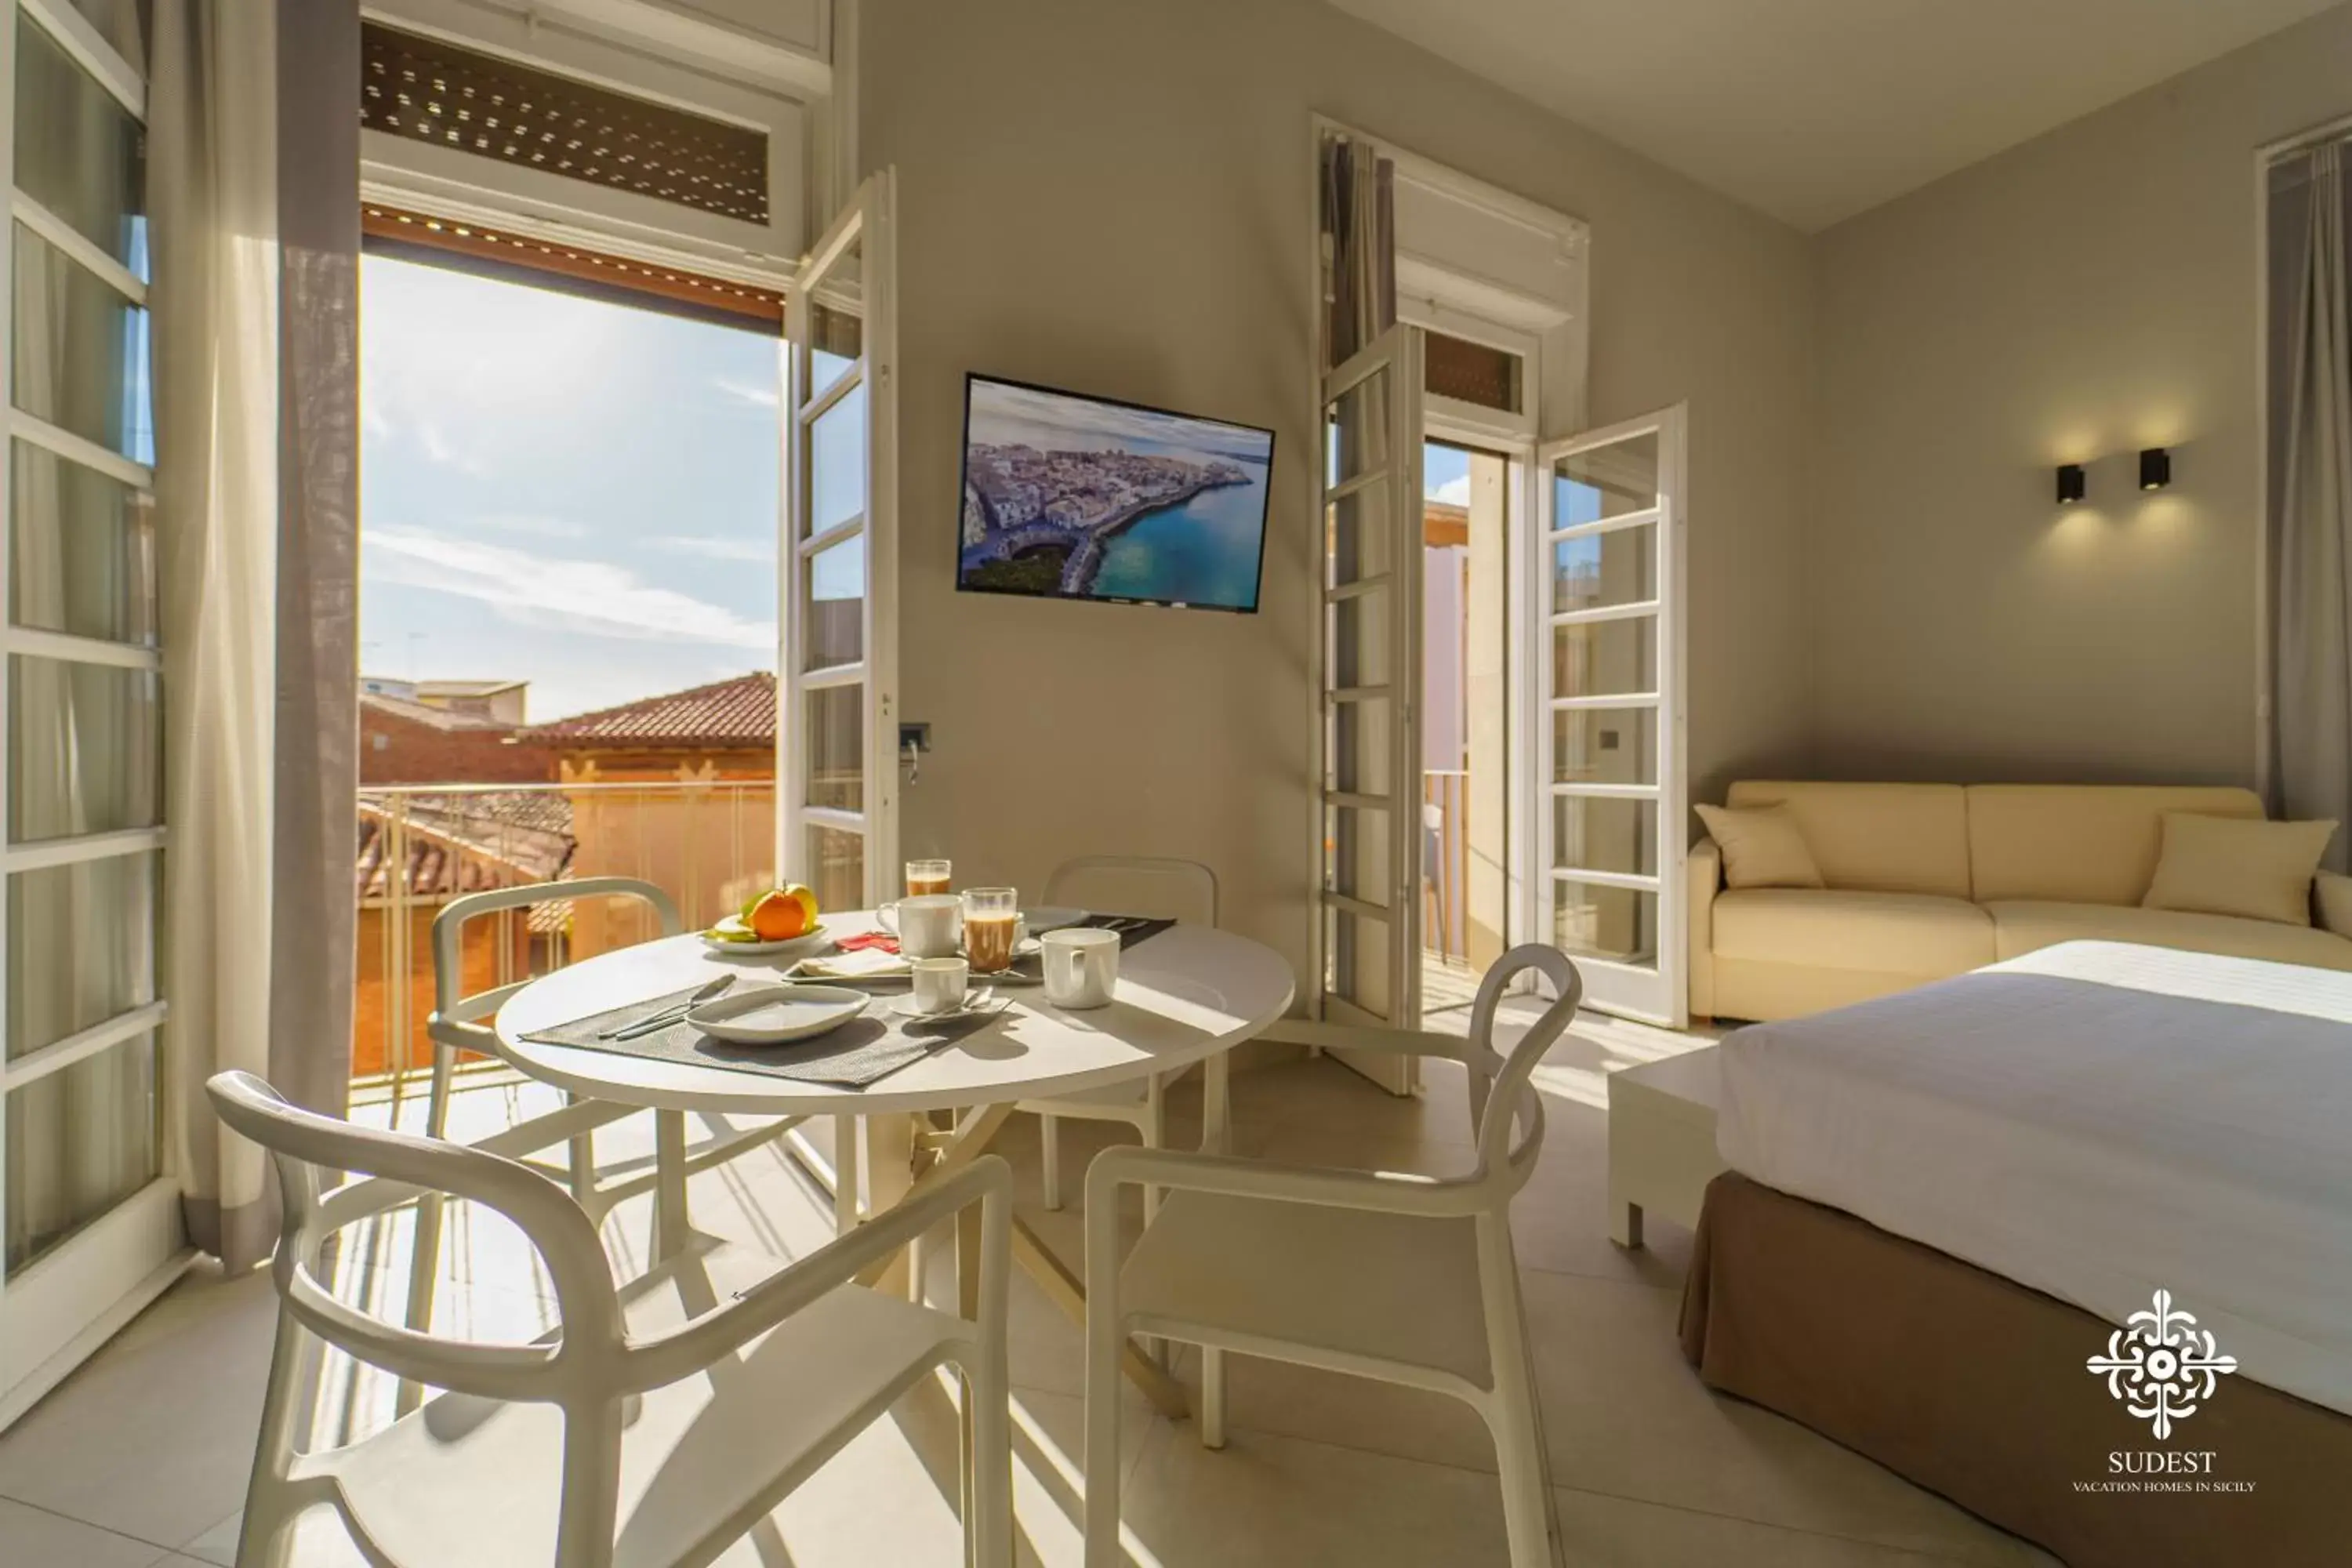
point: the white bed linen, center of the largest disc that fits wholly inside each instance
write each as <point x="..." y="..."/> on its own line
<point x="2096" y="1121"/>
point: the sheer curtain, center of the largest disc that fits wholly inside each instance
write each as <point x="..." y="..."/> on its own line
<point x="2311" y="490"/>
<point x="256" y="242"/>
<point x="1359" y="215"/>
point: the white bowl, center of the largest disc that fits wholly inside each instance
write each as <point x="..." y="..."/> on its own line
<point x="772" y="1015"/>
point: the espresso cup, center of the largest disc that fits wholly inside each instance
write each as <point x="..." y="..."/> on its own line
<point x="930" y="926"/>
<point x="941" y="983"/>
<point x="1081" y="966"/>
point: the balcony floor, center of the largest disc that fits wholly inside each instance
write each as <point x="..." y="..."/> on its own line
<point x="139" y="1460"/>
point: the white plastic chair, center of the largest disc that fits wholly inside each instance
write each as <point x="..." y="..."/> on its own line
<point x="1140" y="1104"/>
<point x="457" y="1025"/>
<point x="659" y="1422"/>
<point x="1409" y="1279"/>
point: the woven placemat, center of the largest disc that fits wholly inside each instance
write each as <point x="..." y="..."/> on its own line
<point x="863" y="1051"/>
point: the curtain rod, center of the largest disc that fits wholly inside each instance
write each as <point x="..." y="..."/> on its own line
<point x="2337" y="130"/>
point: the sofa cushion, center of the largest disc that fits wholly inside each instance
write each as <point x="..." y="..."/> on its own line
<point x="1761" y="848"/>
<point x="1886" y="934"/>
<point x="1876" y="838"/>
<point x="2020" y="926"/>
<point x="2079" y="844"/>
<point x="2261" y="870"/>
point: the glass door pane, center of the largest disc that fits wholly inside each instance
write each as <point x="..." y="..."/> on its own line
<point x="1612" y="828"/>
<point x="1369" y="770"/>
<point x="81" y="867"/>
<point x="837" y="809"/>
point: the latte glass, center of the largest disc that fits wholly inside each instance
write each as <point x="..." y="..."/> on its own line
<point x="991" y="921"/>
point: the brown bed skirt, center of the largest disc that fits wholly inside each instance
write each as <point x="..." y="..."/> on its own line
<point x="1977" y="1387"/>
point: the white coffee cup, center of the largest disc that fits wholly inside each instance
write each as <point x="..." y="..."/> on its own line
<point x="930" y="926"/>
<point x="1081" y="966"/>
<point x="941" y="983"/>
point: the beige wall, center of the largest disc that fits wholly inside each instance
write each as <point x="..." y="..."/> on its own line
<point x="2078" y="297"/>
<point x="1116" y="198"/>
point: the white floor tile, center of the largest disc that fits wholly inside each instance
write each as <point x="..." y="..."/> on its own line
<point x="153" y="1440"/>
<point x="30" y="1536"/>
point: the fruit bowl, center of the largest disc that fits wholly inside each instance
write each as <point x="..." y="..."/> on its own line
<point x="782" y="919"/>
<point x="732" y="936"/>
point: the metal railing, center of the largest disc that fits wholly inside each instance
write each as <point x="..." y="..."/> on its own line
<point x="710" y="845"/>
<point x="1445" y="870"/>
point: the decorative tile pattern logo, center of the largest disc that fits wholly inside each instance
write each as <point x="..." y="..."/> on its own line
<point x="2162" y="1365"/>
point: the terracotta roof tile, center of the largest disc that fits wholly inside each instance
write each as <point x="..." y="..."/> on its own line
<point x="738" y="712"/>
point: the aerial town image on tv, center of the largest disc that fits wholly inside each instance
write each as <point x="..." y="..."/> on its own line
<point x="1069" y="497"/>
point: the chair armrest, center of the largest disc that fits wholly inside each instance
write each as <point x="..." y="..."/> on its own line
<point x="987" y="1181"/>
<point x="2332" y="893"/>
<point x="1175" y="1170"/>
<point x="1704" y="871"/>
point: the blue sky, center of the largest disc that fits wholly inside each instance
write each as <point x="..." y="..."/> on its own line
<point x="1444" y="473"/>
<point x="556" y="489"/>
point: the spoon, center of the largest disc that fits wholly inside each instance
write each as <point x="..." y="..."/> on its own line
<point x="670" y="1015"/>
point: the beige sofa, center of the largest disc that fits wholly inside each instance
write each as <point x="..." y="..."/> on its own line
<point x="1928" y="880"/>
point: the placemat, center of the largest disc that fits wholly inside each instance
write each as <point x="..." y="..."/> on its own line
<point x="863" y="1051"/>
<point x="1131" y="929"/>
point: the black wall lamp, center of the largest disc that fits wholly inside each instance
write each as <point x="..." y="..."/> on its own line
<point x="2155" y="468"/>
<point x="2070" y="483"/>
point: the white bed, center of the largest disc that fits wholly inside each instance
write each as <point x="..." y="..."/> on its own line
<point x="2096" y="1121"/>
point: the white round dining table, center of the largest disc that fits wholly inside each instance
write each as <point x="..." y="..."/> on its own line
<point x="1185" y="995"/>
<point x="1188" y="993"/>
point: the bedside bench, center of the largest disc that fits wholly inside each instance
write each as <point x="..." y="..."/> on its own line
<point x="1662" y="1141"/>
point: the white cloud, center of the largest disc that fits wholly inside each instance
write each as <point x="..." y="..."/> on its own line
<point x="592" y="596"/>
<point x="1455" y="491"/>
<point x="714" y="548"/>
<point x="532" y="523"/>
<point x="765" y="396"/>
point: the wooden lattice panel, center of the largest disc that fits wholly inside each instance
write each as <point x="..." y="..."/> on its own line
<point x="1471" y="373"/>
<point x="428" y="90"/>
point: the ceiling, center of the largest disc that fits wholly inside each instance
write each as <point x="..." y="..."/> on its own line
<point x="1816" y="109"/>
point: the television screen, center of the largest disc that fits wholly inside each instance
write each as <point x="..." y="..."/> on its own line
<point x="1082" y="498"/>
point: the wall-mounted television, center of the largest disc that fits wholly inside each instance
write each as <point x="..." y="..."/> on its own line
<point x="1068" y="497"/>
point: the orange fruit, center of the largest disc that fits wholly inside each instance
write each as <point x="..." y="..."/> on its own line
<point x="782" y="914"/>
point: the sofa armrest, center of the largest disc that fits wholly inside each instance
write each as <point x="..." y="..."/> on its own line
<point x="1704" y="871"/>
<point x="2331" y="892"/>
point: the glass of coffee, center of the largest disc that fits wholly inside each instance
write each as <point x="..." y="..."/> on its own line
<point x="925" y="878"/>
<point x="991" y="925"/>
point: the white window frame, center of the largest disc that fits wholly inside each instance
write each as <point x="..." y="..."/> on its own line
<point x="401" y="171"/>
<point x="1611" y="986"/>
<point x="76" y="1296"/>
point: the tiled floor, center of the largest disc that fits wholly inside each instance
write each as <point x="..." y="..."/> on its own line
<point x="139" y="1459"/>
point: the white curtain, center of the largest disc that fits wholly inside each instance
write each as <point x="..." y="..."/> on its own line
<point x="212" y="176"/>
<point x="2311" y="525"/>
<point x="1358" y="216"/>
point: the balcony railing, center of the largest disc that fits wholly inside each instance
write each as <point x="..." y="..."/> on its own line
<point x="710" y="845"/>
<point x="1445" y="869"/>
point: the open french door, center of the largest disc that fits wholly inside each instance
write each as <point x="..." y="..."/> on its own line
<point x="836" y="763"/>
<point x="1370" y="827"/>
<point x="1609" y="837"/>
<point x="90" y="1205"/>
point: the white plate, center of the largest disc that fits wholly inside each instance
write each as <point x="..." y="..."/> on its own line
<point x="802" y="945"/>
<point x="979" y="999"/>
<point x="1051" y="917"/>
<point x="771" y="1015"/>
